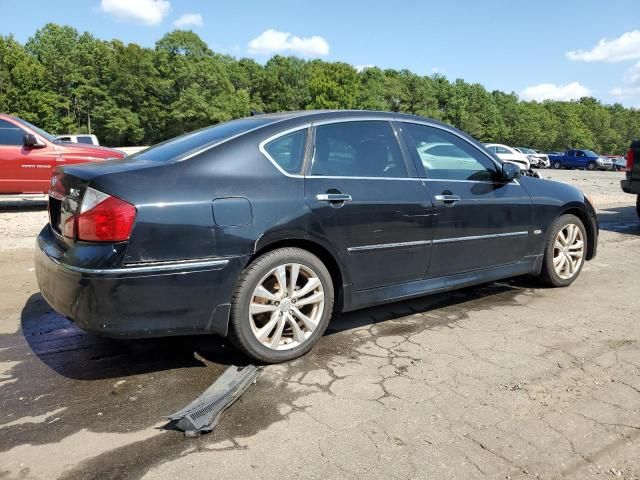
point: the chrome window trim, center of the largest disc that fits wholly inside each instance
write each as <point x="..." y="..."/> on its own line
<point x="334" y="177"/>
<point x="263" y="150"/>
<point x="390" y="120"/>
<point x="233" y="137"/>
<point x="383" y="246"/>
<point x="468" y="181"/>
<point x="481" y="237"/>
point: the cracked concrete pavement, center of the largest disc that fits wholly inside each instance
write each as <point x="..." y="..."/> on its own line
<point x="505" y="380"/>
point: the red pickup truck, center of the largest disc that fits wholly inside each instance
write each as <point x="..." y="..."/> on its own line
<point x="28" y="156"/>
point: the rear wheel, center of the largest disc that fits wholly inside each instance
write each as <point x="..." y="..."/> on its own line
<point x="557" y="164"/>
<point x="281" y="306"/>
<point x="565" y="252"/>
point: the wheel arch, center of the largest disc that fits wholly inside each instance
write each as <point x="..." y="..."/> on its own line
<point x="583" y="215"/>
<point x="323" y="251"/>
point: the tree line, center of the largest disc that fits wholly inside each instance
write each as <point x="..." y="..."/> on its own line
<point x="70" y="82"/>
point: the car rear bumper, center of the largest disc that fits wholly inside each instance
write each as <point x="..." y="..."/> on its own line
<point x="169" y="298"/>
<point x="630" y="186"/>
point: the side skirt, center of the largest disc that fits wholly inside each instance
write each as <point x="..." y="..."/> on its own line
<point x="354" y="299"/>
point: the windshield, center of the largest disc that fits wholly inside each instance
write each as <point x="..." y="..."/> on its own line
<point x="526" y="150"/>
<point x="193" y="141"/>
<point x="591" y="154"/>
<point x="39" y="131"/>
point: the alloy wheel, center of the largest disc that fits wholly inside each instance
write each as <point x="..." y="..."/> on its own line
<point x="568" y="251"/>
<point x="286" y="306"/>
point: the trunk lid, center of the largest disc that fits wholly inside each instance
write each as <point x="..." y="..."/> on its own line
<point x="70" y="182"/>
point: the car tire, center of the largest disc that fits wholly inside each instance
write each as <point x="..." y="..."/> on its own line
<point x="563" y="261"/>
<point x="591" y="166"/>
<point x="259" y="301"/>
<point x="638" y="205"/>
<point x="557" y="165"/>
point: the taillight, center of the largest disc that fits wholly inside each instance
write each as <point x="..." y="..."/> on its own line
<point x="103" y="218"/>
<point x="630" y="159"/>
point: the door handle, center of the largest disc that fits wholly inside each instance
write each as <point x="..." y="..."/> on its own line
<point x="333" y="197"/>
<point x="447" y="198"/>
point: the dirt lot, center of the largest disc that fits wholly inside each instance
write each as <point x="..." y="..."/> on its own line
<point x="507" y="380"/>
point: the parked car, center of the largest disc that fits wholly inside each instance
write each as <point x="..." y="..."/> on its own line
<point x="261" y="228"/>
<point x="619" y="162"/>
<point x="80" y="138"/>
<point x="509" y="154"/>
<point x="28" y="156"/>
<point x="537" y="159"/>
<point x="585" y="159"/>
<point x="631" y="183"/>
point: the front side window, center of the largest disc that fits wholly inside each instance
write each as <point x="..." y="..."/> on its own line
<point x="10" y="134"/>
<point x="288" y="151"/>
<point x="358" y="149"/>
<point x="502" y="150"/>
<point x="448" y="157"/>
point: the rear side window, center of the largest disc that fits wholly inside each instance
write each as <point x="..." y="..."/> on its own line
<point x="358" y="149"/>
<point x="446" y="156"/>
<point x="87" y="140"/>
<point x="10" y="134"/>
<point x="288" y="151"/>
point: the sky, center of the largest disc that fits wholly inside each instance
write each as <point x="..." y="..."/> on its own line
<point x="559" y="49"/>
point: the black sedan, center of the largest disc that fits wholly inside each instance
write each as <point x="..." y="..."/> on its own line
<point x="261" y="228"/>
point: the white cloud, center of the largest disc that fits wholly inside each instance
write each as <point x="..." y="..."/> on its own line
<point x="272" y="41"/>
<point x="361" y="68"/>
<point x="625" y="47"/>
<point x="551" y="91"/>
<point x="631" y="87"/>
<point x="189" y="20"/>
<point x="147" y="12"/>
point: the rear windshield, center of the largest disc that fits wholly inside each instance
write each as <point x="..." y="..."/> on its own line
<point x="183" y="145"/>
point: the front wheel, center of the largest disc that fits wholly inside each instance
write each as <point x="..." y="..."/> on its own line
<point x="591" y="166"/>
<point x="565" y="252"/>
<point x="557" y="165"/>
<point x="281" y="306"/>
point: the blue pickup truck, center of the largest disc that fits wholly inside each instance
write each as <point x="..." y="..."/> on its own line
<point x="580" y="159"/>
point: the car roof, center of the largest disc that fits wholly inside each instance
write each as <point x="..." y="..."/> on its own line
<point x="321" y="115"/>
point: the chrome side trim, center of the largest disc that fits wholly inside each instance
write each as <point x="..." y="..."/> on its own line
<point x="481" y="237"/>
<point x="382" y="246"/>
<point x="146" y="268"/>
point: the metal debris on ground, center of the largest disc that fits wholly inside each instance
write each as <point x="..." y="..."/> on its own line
<point x="202" y="415"/>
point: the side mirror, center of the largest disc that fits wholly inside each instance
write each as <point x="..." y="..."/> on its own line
<point x="510" y="171"/>
<point x="29" y="140"/>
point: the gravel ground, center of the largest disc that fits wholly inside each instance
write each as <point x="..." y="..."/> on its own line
<point x="506" y="380"/>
